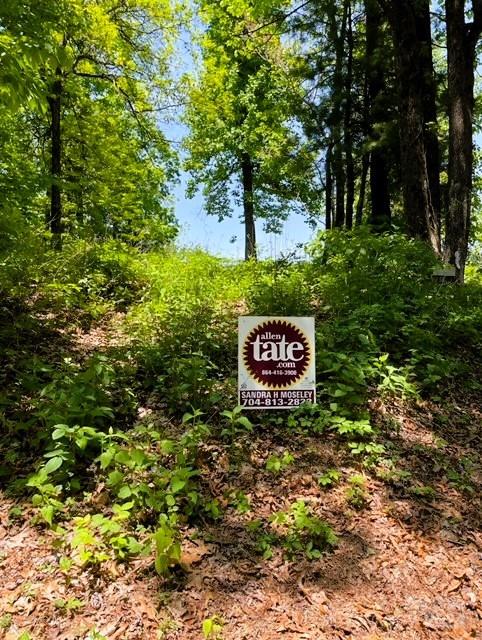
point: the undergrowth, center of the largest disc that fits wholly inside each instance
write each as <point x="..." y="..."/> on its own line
<point x="74" y="426"/>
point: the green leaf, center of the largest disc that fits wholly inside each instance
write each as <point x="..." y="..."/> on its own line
<point x="124" y="492"/>
<point x="106" y="458"/>
<point x="167" y="446"/>
<point x="52" y="465"/>
<point x="82" y="443"/>
<point x="48" y="514"/>
<point x="243" y="420"/>
<point x="122" y="457"/>
<point x="178" y="484"/>
<point x="138" y="457"/>
<point x="208" y="627"/>
<point x="59" y="431"/>
<point x="115" y="478"/>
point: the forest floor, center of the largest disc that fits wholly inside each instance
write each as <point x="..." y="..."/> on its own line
<point x="407" y="564"/>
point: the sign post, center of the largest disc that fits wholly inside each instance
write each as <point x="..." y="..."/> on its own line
<point x="276" y="362"/>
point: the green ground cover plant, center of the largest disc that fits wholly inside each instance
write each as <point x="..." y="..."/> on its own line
<point x="385" y="329"/>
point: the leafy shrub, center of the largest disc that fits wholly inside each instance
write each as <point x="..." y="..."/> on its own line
<point x="356" y="493"/>
<point x="185" y="332"/>
<point x="280" y="288"/>
<point x="22" y="253"/>
<point x="86" y="273"/>
<point x="382" y="311"/>
<point x="303" y="531"/>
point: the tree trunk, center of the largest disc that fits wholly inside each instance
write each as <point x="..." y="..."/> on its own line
<point x="360" y="205"/>
<point x="55" y="216"/>
<point x="328" y="189"/>
<point x="422" y="219"/>
<point x="348" y="142"/>
<point x="248" y="207"/>
<point x="432" y="150"/>
<point x="380" y="215"/>
<point x="461" y="42"/>
<point x="338" y="37"/>
<point x="339" y="176"/>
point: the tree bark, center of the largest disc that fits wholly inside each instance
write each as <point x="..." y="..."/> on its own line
<point x="348" y="124"/>
<point x="363" y="185"/>
<point x="338" y="37"/>
<point x="432" y="149"/>
<point x="55" y="215"/>
<point x="248" y="207"/>
<point x="328" y="189"/>
<point x="380" y="214"/>
<point x="462" y="39"/>
<point x="422" y="218"/>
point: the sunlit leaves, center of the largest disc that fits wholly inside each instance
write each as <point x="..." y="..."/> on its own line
<point x="243" y="101"/>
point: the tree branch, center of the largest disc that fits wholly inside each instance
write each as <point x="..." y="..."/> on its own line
<point x="281" y="18"/>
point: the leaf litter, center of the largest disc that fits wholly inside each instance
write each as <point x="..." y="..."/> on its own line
<point x="407" y="565"/>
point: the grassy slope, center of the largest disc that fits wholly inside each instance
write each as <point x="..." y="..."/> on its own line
<point x="118" y="347"/>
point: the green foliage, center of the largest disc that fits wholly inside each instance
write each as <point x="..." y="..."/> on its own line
<point x="6" y="621"/>
<point x="239" y="500"/>
<point x="167" y="546"/>
<point x="97" y="538"/>
<point x="86" y="274"/>
<point x="148" y="482"/>
<point x="304" y="532"/>
<point x="112" y="439"/>
<point x="186" y="330"/>
<point x="116" y="164"/>
<point x="76" y="413"/>
<point x="212" y="628"/>
<point x="329" y="478"/>
<point x="143" y="477"/>
<point x="424" y="492"/>
<point x="463" y="477"/>
<point x="356" y="493"/>
<point x="71" y="604"/>
<point x="386" y="322"/>
<point x="95" y="635"/>
<point x="280" y="287"/>
<point x="236" y="423"/>
<point x="275" y="464"/>
<point x="241" y="105"/>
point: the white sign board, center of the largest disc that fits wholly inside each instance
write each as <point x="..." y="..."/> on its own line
<point x="276" y="362"/>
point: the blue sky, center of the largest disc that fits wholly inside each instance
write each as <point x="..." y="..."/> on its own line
<point x="226" y="238"/>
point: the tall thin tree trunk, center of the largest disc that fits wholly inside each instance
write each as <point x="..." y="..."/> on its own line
<point x="80" y="200"/>
<point x="328" y="189"/>
<point x="365" y="159"/>
<point x="348" y="141"/>
<point x="55" y="216"/>
<point x="248" y="207"/>
<point x="380" y="212"/>
<point x="360" y="205"/>
<point x="419" y="210"/>
<point x="338" y="37"/>
<point x="461" y="42"/>
<point x="432" y="150"/>
<point x="339" y="176"/>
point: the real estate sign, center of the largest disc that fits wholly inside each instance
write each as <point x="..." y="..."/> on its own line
<point x="276" y="361"/>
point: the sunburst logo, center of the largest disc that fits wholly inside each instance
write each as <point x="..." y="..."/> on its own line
<point x="277" y="354"/>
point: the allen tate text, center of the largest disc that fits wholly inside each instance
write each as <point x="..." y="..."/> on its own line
<point x="281" y="350"/>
